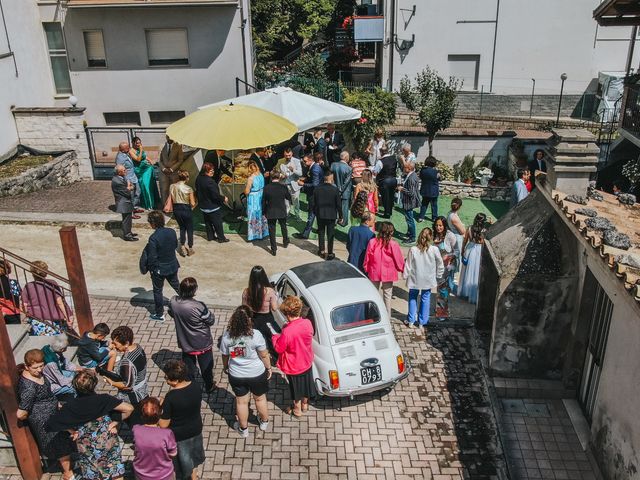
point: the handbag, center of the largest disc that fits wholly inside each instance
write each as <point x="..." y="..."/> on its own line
<point x="168" y="205"/>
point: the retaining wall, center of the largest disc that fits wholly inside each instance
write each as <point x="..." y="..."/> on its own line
<point x="462" y="190"/>
<point x="62" y="170"/>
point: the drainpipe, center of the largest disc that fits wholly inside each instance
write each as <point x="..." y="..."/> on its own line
<point x="392" y="42"/>
<point x="243" y="25"/>
<point x="495" y="41"/>
<point x="632" y="45"/>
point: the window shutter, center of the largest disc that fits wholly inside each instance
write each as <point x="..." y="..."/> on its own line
<point x="94" y="44"/>
<point x="167" y="44"/>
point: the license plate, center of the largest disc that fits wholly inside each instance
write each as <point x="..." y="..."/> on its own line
<point x="371" y="374"/>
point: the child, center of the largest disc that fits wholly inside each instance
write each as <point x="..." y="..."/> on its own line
<point x="358" y="239"/>
<point x="93" y="350"/>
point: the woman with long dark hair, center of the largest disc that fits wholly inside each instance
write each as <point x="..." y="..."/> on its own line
<point x="446" y="241"/>
<point x="471" y="250"/>
<point x="261" y="298"/>
<point x="383" y="261"/>
<point x="246" y="360"/>
<point x="149" y="194"/>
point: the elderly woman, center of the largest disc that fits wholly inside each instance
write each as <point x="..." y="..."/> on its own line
<point x="9" y="295"/>
<point x="43" y="300"/>
<point x="57" y="369"/>
<point x="131" y="368"/>
<point x="257" y="227"/>
<point x="155" y="446"/>
<point x="36" y="405"/>
<point x="92" y="420"/>
<point x="193" y="331"/>
<point x="246" y="360"/>
<point x="181" y="413"/>
<point x="296" y="355"/>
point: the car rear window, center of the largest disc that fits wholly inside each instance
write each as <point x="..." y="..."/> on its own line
<point x="355" y="315"/>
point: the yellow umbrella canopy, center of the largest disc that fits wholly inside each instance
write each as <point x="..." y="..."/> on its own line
<point x="231" y="127"/>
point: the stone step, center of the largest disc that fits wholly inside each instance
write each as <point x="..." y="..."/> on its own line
<point x="37" y="342"/>
<point x="17" y="333"/>
<point x="531" y="388"/>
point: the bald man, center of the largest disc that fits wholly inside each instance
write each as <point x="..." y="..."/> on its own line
<point x="123" y="158"/>
<point x="122" y="189"/>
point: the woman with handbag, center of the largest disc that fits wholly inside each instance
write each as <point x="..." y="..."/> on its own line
<point x="184" y="201"/>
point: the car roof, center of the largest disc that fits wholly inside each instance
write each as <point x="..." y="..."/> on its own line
<point x="322" y="272"/>
<point x="344" y="292"/>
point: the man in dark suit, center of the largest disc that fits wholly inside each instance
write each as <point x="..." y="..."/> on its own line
<point x="537" y="164"/>
<point x="161" y="261"/>
<point x="122" y="193"/>
<point x="429" y="189"/>
<point x="265" y="164"/>
<point x="312" y="180"/>
<point x="221" y="164"/>
<point x="342" y="175"/>
<point x="274" y="208"/>
<point x="336" y="144"/>
<point x="327" y="206"/>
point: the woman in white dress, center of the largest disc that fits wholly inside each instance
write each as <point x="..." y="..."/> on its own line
<point x="471" y="252"/>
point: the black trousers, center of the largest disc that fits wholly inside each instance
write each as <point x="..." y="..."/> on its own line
<point x="310" y="217"/>
<point x="184" y="216"/>
<point x="388" y="190"/>
<point x="205" y="362"/>
<point x="272" y="231"/>
<point x="213" y="225"/>
<point x="158" y="283"/>
<point x="127" y="220"/>
<point x="328" y="226"/>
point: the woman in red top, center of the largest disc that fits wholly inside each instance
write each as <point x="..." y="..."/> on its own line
<point x="383" y="261"/>
<point x="296" y="355"/>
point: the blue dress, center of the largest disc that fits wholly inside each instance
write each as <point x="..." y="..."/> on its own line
<point x="257" y="227"/>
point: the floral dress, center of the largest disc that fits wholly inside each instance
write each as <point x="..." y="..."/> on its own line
<point x="100" y="451"/>
<point x="449" y="252"/>
<point x="257" y="227"/>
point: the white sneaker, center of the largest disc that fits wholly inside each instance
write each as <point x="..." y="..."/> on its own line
<point x="244" y="432"/>
<point x="263" y="425"/>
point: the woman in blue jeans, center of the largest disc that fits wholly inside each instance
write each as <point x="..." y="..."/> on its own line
<point x="422" y="268"/>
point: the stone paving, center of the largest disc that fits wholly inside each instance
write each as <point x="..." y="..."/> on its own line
<point x="540" y="441"/>
<point x="436" y="424"/>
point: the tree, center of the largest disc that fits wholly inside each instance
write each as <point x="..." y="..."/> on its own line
<point x="378" y="110"/>
<point x="280" y="26"/>
<point x="433" y="99"/>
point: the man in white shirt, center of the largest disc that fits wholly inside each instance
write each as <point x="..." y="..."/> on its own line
<point x="520" y="191"/>
<point x="291" y="169"/>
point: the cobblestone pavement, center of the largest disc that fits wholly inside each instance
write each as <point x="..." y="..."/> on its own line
<point x="436" y="424"/>
<point x="540" y="441"/>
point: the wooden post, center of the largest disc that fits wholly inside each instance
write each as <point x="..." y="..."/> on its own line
<point x="24" y="445"/>
<point x="75" y="272"/>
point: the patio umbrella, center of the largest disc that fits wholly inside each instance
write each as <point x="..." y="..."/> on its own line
<point x="306" y="111"/>
<point x="231" y="127"/>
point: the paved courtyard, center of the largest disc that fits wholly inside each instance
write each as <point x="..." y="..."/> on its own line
<point x="436" y="424"/>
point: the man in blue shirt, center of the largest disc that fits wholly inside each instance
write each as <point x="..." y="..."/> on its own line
<point x="314" y="178"/>
<point x="520" y="191"/>
<point x="123" y="158"/>
<point x="358" y="239"/>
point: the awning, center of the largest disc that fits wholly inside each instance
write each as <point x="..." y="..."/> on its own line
<point x="305" y="111"/>
<point x="618" y="13"/>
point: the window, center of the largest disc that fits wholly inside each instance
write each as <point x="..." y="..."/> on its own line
<point x="167" y="47"/>
<point x="465" y="68"/>
<point x="355" y="315"/>
<point x="169" y="116"/>
<point x="285" y="289"/>
<point x="94" y="46"/>
<point x="58" y="57"/>
<point x="307" y="312"/>
<point x="122" y="118"/>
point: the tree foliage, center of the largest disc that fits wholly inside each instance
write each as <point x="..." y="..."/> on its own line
<point x="378" y="110"/>
<point x="279" y="26"/>
<point x="432" y="98"/>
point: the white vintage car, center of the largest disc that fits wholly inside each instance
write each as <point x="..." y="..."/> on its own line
<point x="355" y="350"/>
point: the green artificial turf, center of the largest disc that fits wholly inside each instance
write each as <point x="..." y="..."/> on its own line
<point x="470" y="207"/>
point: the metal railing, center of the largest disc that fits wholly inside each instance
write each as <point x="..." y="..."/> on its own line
<point x="55" y="288"/>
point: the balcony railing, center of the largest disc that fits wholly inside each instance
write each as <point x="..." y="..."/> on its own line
<point x="631" y="112"/>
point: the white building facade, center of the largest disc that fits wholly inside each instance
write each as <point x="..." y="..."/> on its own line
<point x="500" y="47"/>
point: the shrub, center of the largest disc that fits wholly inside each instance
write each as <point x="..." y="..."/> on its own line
<point x="378" y="110"/>
<point x="446" y="172"/>
<point x="465" y="170"/>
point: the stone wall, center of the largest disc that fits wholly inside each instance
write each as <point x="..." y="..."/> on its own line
<point x="462" y="190"/>
<point x="577" y="106"/>
<point x="53" y="130"/>
<point x="62" y="170"/>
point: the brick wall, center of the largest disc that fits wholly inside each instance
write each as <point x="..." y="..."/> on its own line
<point x="55" y="129"/>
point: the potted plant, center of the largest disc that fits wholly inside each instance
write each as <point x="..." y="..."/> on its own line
<point x="464" y="170"/>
